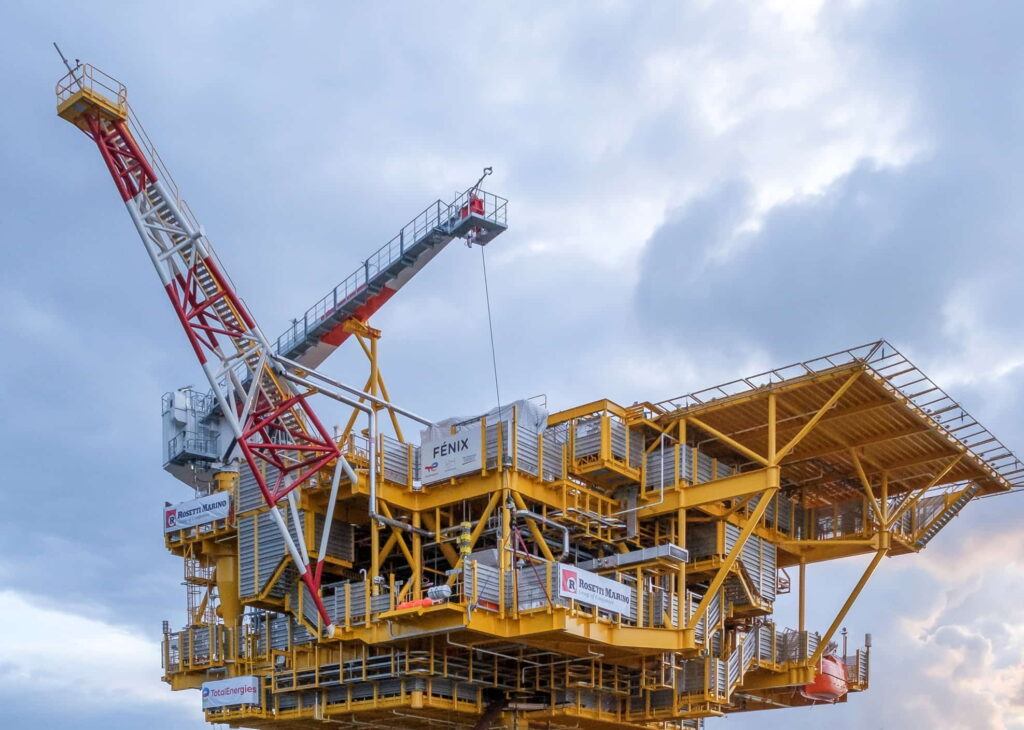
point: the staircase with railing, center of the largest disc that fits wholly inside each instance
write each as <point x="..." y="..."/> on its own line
<point x="952" y="509"/>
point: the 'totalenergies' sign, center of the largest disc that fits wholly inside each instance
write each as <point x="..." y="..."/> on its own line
<point x="197" y="512"/>
<point x="234" y="691"/>
<point x="590" y="588"/>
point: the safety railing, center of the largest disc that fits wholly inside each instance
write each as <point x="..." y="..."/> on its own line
<point x="199" y="647"/>
<point x="897" y="374"/>
<point x="434" y="658"/>
<point x="202" y="444"/>
<point x="437" y="218"/>
<point x="86" y="77"/>
<point x="857" y="668"/>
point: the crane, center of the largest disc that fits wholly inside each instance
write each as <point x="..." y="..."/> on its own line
<point x="601" y="566"/>
<point x="258" y="390"/>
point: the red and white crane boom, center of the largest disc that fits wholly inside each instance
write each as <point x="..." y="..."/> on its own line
<point x="262" y="394"/>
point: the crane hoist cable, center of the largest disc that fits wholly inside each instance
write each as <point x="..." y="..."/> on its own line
<point x="490" y="328"/>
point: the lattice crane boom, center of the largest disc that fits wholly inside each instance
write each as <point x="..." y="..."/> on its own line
<point x="273" y="424"/>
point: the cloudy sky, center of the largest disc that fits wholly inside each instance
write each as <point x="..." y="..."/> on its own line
<point x="698" y="191"/>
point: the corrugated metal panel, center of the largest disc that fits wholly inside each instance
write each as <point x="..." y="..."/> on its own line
<point x="309" y="611"/>
<point x="247" y="556"/>
<point x="270" y="550"/>
<point x="664" y="608"/>
<point x="492" y="442"/>
<point x="527" y="447"/>
<point x="618" y="438"/>
<point x="533" y="589"/>
<point x="282" y="630"/>
<point x="588" y="436"/>
<point x="395" y="457"/>
<point x="711" y="617"/>
<point x="486" y="583"/>
<point x="336" y="606"/>
<point x="261" y="550"/>
<point x="705" y="468"/>
<point x="341" y="544"/>
<point x="702" y="540"/>
<point x="555" y="439"/>
<point x="759" y="557"/>
<point x="249" y="495"/>
<point x="660" y="466"/>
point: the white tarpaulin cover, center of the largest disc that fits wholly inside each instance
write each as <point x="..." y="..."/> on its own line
<point x="454" y="446"/>
<point x="234" y="691"/>
<point x="197" y="511"/>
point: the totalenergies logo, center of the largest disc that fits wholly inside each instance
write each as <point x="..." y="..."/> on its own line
<point x="206" y="692"/>
<point x="431" y="467"/>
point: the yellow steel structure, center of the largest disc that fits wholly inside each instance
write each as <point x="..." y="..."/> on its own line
<point x="456" y="602"/>
<point x="834" y="462"/>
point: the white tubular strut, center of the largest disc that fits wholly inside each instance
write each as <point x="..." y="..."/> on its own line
<point x="278" y="433"/>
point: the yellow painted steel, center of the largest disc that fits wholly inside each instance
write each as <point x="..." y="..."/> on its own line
<point x="738" y="468"/>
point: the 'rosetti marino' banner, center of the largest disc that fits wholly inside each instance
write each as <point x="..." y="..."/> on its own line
<point x="197" y="511"/>
<point x="593" y="589"/>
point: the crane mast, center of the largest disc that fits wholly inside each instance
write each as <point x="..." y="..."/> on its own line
<point x="270" y="418"/>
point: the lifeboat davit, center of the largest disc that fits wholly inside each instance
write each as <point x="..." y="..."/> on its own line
<point x="830" y="682"/>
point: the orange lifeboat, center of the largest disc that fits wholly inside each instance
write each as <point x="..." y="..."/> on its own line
<point x="830" y="682"/>
<point x="421" y="603"/>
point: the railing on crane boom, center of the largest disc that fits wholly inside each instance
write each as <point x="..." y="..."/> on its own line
<point x="475" y="214"/>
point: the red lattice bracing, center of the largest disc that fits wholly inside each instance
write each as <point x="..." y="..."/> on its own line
<point x="128" y="166"/>
<point x="275" y="428"/>
<point x="316" y="448"/>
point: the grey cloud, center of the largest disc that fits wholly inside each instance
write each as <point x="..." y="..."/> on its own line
<point x="310" y="135"/>
<point x="881" y="250"/>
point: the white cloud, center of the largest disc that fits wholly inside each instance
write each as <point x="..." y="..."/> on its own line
<point x="49" y="652"/>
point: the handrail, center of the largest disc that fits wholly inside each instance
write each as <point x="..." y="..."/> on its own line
<point x="898" y="375"/>
<point x="87" y="77"/>
<point x="438" y="217"/>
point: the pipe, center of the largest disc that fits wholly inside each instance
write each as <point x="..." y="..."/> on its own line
<point x="374" y="515"/>
<point x="374" y="432"/>
<point x="355" y="391"/>
<point x="550" y="523"/>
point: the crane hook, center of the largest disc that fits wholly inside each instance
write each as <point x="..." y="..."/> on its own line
<point x="487" y="171"/>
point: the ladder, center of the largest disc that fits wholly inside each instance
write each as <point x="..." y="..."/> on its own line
<point x="944" y="517"/>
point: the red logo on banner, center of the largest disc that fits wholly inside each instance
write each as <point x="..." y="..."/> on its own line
<point x="568" y="580"/>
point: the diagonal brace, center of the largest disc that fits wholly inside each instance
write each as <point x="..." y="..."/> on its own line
<point x="733" y="556"/>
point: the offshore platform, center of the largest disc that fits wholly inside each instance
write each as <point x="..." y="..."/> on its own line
<point x="601" y="567"/>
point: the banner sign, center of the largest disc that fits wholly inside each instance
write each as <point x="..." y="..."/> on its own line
<point x="445" y="455"/>
<point x="197" y="512"/>
<point x="234" y="691"/>
<point x="594" y="590"/>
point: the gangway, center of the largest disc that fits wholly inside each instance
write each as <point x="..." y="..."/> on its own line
<point x="474" y="214"/>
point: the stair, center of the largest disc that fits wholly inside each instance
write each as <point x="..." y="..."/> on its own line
<point x="220" y="309"/>
<point x="944" y="517"/>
